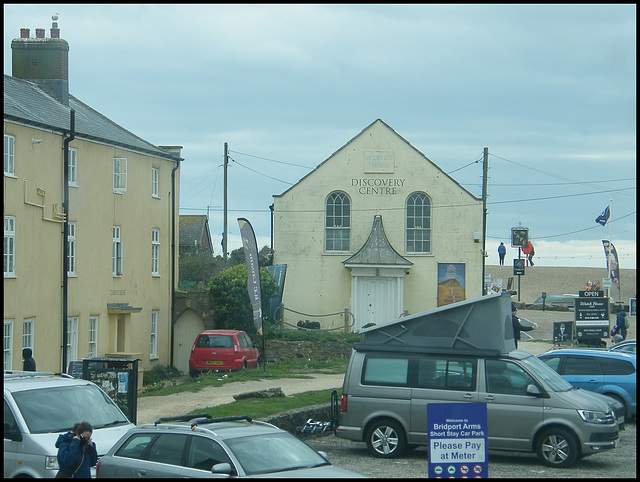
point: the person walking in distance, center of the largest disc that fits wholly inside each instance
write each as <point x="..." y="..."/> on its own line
<point x="622" y="323"/>
<point x="517" y="326"/>
<point x="502" y="251"/>
<point x="28" y="364"/>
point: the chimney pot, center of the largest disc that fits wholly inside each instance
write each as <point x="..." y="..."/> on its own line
<point x="39" y="33"/>
<point x="24" y="33"/>
<point x="55" y="33"/>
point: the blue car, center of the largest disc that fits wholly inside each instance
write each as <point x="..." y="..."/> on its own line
<point x="607" y="372"/>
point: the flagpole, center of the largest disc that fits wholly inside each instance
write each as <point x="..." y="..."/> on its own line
<point x="610" y="245"/>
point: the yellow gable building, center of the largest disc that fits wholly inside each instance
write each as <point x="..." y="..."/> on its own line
<point x="374" y="232"/>
<point x="90" y="231"/>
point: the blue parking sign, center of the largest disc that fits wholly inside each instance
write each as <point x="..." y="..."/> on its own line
<point x="458" y="445"/>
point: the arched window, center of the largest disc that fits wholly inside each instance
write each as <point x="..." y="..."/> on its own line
<point x="337" y="222"/>
<point x="418" y="234"/>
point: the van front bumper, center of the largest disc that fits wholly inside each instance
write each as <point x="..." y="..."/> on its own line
<point x="599" y="442"/>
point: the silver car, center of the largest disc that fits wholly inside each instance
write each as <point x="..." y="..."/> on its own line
<point x="39" y="406"/>
<point x="202" y="446"/>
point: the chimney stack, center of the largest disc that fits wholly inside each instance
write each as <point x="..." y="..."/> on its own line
<point x="43" y="61"/>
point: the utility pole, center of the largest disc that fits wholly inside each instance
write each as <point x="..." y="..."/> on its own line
<point x="224" y="228"/>
<point x="485" y="170"/>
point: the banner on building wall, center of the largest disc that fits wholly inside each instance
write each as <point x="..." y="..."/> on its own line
<point x="451" y="283"/>
<point x="253" y="271"/>
<point x="278" y="271"/>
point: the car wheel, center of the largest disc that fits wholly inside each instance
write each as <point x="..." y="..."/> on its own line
<point x="386" y="439"/>
<point x="557" y="447"/>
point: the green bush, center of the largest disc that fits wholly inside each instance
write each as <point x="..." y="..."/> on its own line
<point x="277" y="332"/>
<point x="159" y="373"/>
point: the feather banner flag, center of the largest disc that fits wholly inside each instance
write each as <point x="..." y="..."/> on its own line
<point x="604" y="217"/>
<point x="612" y="262"/>
<point x="253" y="271"/>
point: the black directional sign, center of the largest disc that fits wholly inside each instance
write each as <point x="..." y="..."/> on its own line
<point x="518" y="267"/>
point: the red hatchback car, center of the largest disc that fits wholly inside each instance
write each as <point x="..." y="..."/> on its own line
<point x="223" y="350"/>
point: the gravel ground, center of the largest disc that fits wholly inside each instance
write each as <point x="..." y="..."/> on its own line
<point x="613" y="464"/>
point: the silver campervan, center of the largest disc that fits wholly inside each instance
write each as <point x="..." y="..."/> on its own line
<point x="446" y="356"/>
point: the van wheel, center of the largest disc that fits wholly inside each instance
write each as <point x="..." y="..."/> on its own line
<point x="386" y="439"/>
<point x="557" y="447"/>
<point x="244" y="365"/>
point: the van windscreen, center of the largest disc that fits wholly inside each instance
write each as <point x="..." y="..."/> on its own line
<point x="57" y="409"/>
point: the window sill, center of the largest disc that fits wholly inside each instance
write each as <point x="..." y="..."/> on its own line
<point x="153" y="358"/>
<point x="10" y="276"/>
<point x="153" y="196"/>
<point x="72" y="275"/>
<point x="153" y="275"/>
<point x="10" y="176"/>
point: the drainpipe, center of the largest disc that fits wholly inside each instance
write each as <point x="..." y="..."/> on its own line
<point x="65" y="235"/>
<point x="173" y="253"/>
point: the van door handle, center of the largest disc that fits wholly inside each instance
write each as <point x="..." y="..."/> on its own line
<point x="489" y="397"/>
<point x="467" y="395"/>
<point x="142" y="473"/>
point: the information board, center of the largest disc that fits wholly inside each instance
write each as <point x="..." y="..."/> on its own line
<point x="458" y="445"/>
<point x="591" y="309"/>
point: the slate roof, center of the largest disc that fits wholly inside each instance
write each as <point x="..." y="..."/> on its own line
<point x="193" y="228"/>
<point x="26" y="103"/>
<point x="377" y="249"/>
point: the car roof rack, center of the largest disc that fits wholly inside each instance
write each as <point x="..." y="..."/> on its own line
<point x="199" y="418"/>
<point x="23" y="373"/>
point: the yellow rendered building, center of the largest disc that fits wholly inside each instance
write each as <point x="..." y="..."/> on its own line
<point x="374" y="232"/>
<point x="90" y="223"/>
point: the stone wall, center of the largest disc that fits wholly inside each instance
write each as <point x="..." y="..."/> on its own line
<point x="281" y="351"/>
<point x="293" y="419"/>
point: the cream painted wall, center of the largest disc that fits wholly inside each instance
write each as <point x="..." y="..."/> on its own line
<point x="317" y="282"/>
<point x="36" y="291"/>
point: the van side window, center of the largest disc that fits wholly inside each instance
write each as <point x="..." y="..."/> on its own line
<point x="447" y="373"/>
<point x="381" y="370"/>
<point x="506" y="378"/>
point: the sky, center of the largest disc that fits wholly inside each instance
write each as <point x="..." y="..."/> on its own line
<point x="549" y="90"/>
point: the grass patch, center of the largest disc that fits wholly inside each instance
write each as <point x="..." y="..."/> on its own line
<point x="258" y="408"/>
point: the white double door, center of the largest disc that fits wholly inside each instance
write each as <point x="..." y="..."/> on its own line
<point x="376" y="299"/>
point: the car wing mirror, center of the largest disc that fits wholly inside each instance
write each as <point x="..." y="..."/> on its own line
<point x="534" y="391"/>
<point x="224" y="468"/>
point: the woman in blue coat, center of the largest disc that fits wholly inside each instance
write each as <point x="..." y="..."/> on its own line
<point x="76" y="452"/>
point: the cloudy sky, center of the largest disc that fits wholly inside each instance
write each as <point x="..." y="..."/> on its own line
<point x="549" y="90"/>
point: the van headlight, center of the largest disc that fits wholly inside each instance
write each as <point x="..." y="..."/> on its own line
<point x="591" y="416"/>
<point x="51" y="462"/>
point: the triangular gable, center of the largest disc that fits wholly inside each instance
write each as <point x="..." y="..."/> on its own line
<point x="377" y="249"/>
<point x="362" y="133"/>
<point x="479" y="323"/>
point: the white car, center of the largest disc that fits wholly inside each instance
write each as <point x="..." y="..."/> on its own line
<point x="39" y="406"/>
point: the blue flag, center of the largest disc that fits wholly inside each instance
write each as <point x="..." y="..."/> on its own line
<point x="604" y="217"/>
